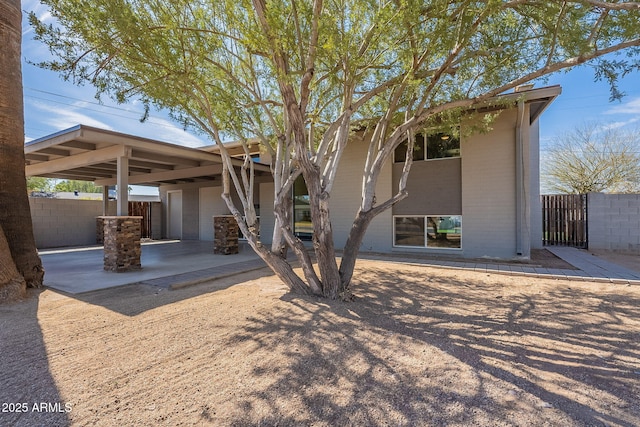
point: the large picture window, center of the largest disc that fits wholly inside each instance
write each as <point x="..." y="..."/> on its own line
<point x="428" y="231"/>
<point x="434" y="146"/>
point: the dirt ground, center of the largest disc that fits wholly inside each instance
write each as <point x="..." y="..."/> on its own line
<point x="418" y="347"/>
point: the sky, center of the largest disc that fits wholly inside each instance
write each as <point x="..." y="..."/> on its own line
<point x="52" y="104"/>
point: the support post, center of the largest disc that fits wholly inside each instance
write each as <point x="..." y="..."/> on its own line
<point x="105" y="200"/>
<point x="123" y="184"/>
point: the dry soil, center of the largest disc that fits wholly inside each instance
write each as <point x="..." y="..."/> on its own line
<point x="419" y="346"/>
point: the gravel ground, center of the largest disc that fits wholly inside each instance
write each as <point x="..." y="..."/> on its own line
<point x="419" y="346"/>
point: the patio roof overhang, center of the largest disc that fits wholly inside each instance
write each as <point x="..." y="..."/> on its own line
<point x="110" y="158"/>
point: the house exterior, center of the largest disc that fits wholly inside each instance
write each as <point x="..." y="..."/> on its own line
<point x="472" y="196"/>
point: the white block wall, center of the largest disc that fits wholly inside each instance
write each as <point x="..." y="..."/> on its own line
<point x="614" y="222"/>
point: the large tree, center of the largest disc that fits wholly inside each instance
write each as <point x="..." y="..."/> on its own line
<point x="303" y="75"/>
<point x="593" y="158"/>
<point x="20" y="264"/>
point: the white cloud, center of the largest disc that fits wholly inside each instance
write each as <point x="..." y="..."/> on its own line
<point x="167" y="131"/>
<point x="64" y="118"/>
<point x="630" y="107"/>
<point x="620" y="124"/>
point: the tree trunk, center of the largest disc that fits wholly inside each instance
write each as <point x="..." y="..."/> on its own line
<point x="15" y="213"/>
<point x="12" y="284"/>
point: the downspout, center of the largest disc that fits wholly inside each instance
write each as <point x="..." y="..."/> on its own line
<point x="520" y="190"/>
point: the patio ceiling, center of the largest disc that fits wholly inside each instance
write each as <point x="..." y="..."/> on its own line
<point x="91" y="154"/>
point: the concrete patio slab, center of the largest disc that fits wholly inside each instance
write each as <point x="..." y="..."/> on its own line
<point x="81" y="270"/>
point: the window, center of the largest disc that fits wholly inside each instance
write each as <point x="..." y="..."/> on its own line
<point x="418" y="150"/>
<point x="441" y="145"/>
<point x="409" y="231"/>
<point x="428" y="231"/>
<point x="436" y="146"/>
<point x="302" y="226"/>
<point x="444" y="231"/>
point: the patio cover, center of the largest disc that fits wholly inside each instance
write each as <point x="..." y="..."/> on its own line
<point x="110" y="158"/>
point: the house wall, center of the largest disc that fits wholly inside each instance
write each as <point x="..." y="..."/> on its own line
<point x="534" y="186"/>
<point x="267" y="217"/>
<point x="211" y="204"/>
<point x="434" y="188"/>
<point x="614" y="222"/>
<point x="480" y="186"/>
<point x="65" y="222"/>
<point x="198" y="200"/>
<point x="345" y="200"/>
<point x="347" y="196"/>
<point x="488" y="190"/>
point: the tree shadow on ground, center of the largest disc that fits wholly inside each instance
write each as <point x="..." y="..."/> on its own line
<point x="28" y="393"/>
<point x="418" y="351"/>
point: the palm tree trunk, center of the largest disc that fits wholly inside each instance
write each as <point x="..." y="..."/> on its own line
<point x="15" y="214"/>
<point x="12" y="284"/>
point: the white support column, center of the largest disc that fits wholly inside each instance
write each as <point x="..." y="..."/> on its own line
<point x="123" y="184"/>
<point x="105" y="200"/>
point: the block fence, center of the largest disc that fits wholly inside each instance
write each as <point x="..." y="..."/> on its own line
<point x="69" y="222"/>
<point x="614" y="222"/>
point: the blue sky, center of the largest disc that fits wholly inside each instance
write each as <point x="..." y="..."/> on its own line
<point x="52" y="104"/>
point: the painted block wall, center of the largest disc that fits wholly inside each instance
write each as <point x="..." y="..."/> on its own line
<point x="347" y="195"/>
<point x="433" y="186"/>
<point x="614" y="222"/>
<point x="345" y="199"/>
<point x="211" y="204"/>
<point x="65" y="222"/>
<point x="488" y="190"/>
<point x="200" y="200"/>
<point x="267" y="216"/>
<point x="534" y="186"/>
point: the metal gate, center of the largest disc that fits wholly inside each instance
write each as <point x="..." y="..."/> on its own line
<point x="142" y="209"/>
<point x="564" y="220"/>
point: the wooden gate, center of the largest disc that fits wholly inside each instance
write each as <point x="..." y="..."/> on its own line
<point x="142" y="209"/>
<point x="564" y="220"/>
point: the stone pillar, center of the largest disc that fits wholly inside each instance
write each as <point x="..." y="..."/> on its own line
<point x="122" y="243"/>
<point x="100" y="230"/>
<point x="225" y="235"/>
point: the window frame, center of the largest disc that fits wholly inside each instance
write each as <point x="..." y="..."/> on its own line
<point x="426" y="228"/>
<point x="425" y="153"/>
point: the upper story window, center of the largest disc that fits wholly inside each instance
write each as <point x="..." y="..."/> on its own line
<point x="436" y="146"/>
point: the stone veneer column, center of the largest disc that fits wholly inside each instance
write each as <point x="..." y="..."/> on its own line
<point x="122" y="243"/>
<point x="100" y="230"/>
<point x="225" y="235"/>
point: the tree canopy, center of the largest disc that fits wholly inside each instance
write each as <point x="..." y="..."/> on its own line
<point x="81" y="186"/>
<point x="593" y="158"/>
<point x="302" y="76"/>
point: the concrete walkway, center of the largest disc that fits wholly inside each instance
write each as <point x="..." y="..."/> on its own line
<point x="175" y="264"/>
<point x="589" y="268"/>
